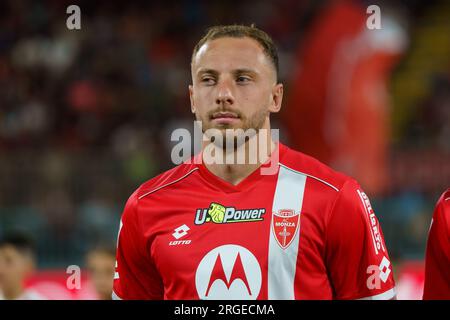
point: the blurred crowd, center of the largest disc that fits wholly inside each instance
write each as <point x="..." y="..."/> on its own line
<point x="86" y="115"/>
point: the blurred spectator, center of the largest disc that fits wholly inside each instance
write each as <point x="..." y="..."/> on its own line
<point x="17" y="263"/>
<point x="100" y="263"/>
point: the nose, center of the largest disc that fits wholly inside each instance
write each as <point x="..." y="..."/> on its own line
<point x="224" y="93"/>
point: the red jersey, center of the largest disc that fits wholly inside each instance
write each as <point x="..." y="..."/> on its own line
<point x="437" y="261"/>
<point x="306" y="232"/>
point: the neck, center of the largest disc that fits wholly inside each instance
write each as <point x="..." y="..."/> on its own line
<point x="254" y="152"/>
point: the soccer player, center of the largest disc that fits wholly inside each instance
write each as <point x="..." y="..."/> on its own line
<point x="100" y="265"/>
<point x="212" y="230"/>
<point x="437" y="260"/>
<point x="17" y="262"/>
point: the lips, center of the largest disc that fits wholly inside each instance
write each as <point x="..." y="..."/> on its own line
<point x="224" y="115"/>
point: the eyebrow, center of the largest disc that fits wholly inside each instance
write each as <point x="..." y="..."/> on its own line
<point x="234" y="72"/>
<point x="207" y="71"/>
<point x="245" y="71"/>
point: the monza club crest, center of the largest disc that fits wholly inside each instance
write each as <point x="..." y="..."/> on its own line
<point x="285" y="225"/>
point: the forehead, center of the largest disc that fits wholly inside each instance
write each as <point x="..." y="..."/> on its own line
<point x="232" y="53"/>
<point x="9" y="251"/>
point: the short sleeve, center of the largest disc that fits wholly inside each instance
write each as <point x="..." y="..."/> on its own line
<point x="437" y="259"/>
<point x="356" y="255"/>
<point x="136" y="276"/>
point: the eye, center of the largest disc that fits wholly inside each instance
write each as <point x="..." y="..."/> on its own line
<point x="208" y="80"/>
<point x="242" y="79"/>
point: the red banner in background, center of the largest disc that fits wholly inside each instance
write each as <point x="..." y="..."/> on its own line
<point x="338" y="108"/>
<point x="52" y="285"/>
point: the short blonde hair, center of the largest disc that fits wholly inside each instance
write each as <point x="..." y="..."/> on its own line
<point x="240" y="31"/>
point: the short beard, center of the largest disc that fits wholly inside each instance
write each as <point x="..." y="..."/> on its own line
<point x="233" y="141"/>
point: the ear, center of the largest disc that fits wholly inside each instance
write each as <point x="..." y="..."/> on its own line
<point x="191" y="97"/>
<point x="277" y="98"/>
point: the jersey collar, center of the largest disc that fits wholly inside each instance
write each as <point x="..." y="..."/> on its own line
<point x="248" y="182"/>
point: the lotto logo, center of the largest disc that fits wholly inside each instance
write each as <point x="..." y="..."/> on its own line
<point x="180" y="232"/>
<point x="385" y="271"/>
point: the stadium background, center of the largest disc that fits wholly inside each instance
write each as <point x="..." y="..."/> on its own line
<point x="86" y="115"/>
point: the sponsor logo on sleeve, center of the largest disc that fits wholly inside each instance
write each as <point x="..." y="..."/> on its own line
<point x="373" y="223"/>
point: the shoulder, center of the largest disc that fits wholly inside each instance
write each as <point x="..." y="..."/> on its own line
<point x="442" y="208"/>
<point x="157" y="185"/>
<point x="312" y="168"/>
<point x="176" y="175"/>
<point x="444" y="200"/>
<point x="442" y="211"/>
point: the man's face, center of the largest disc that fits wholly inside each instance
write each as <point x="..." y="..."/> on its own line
<point x="101" y="270"/>
<point x="14" y="267"/>
<point x="234" y="85"/>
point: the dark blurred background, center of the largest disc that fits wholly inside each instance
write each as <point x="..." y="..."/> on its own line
<point x="86" y="115"/>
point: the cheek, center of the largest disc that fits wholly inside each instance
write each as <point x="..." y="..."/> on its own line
<point x="202" y="100"/>
<point x="13" y="270"/>
<point x="202" y="94"/>
<point x="254" y="101"/>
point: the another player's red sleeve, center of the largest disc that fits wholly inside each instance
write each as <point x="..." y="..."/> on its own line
<point x="356" y="255"/>
<point x="135" y="276"/>
<point x="437" y="260"/>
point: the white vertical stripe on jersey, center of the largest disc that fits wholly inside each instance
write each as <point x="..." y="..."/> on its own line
<point x="283" y="262"/>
